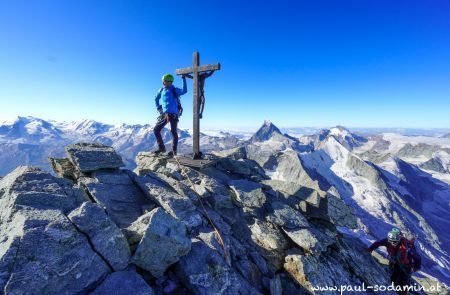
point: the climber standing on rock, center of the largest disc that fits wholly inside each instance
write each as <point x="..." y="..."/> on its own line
<point x="168" y="104"/>
<point x="403" y="258"/>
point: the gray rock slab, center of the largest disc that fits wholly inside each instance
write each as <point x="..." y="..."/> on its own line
<point x="64" y="168"/>
<point x="136" y="230"/>
<point x="32" y="187"/>
<point x="50" y="256"/>
<point x="235" y="153"/>
<point x="89" y="157"/>
<point x="248" y="193"/>
<point x="250" y="272"/>
<point x="123" y="283"/>
<point x="116" y="192"/>
<point x="285" y="216"/>
<point x="212" y="239"/>
<point x="340" y="213"/>
<point x="260" y="262"/>
<point x="104" y="235"/>
<point x="179" y="206"/>
<point x="271" y="242"/>
<point x="312" y="202"/>
<point x="243" y="167"/>
<point x="148" y="162"/>
<point x="309" y="239"/>
<point x="296" y="190"/>
<point x="164" y="242"/>
<point x="204" y="271"/>
<point x="179" y="187"/>
<point x="276" y="288"/>
<point x="223" y="227"/>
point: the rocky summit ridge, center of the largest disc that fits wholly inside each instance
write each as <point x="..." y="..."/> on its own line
<point x="97" y="228"/>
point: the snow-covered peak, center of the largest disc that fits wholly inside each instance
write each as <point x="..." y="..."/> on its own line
<point x="339" y="131"/>
<point x="22" y="120"/>
<point x="92" y="127"/>
<point x="343" y="136"/>
<point x="28" y="129"/>
<point x="334" y="149"/>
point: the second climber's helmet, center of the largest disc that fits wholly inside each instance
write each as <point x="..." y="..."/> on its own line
<point x="167" y="78"/>
<point x="394" y="236"/>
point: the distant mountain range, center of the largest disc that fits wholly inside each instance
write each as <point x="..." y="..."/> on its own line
<point x="385" y="179"/>
<point x="30" y="141"/>
<point x="388" y="180"/>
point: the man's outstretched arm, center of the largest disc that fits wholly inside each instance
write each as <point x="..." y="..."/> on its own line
<point x="375" y="245"/>
<point x="184" y="90"/>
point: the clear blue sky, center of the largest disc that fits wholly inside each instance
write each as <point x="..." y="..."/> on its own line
<point x="297" y="63"/>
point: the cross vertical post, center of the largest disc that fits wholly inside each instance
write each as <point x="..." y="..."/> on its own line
<point x="197" y="73"/>
<point x="196" y="119"/>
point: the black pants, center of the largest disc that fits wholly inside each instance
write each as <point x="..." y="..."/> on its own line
<point x="400" y="277"/>
<point x="162" y="121"/>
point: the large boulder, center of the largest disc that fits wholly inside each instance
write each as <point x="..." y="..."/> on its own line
<point x="271" y="242"/>
<point x="123" y="283"/>
<point x="164" y="242"/>
<point x="179" y="206"/>
<point x="312" y="202"/>
<point x="149" y="162"/>
<point x="136" y="230"/>
<point x="64" y="168"/>
<point x="285" y="216"/>
<point x="42" y="251"/>
<point x="248" y="194"/>
<point x="117" y="193"/>
<point x="310" y="239"/>
<point x="88" y="157"/>
<point x="205" y="271"/>
<point x="104" y="235"/>
<point x="340" y="213"/>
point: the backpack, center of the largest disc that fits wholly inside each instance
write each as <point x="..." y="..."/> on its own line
<point x="406" y="255"/>
<point x="174" y="92"/>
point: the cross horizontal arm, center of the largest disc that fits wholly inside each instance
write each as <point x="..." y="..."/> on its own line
<point x="206" y="68"/>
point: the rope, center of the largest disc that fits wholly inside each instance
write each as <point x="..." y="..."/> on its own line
<point x="219" y="237"/>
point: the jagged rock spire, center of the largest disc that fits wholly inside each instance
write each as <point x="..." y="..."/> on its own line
<point x="266" y="131"/>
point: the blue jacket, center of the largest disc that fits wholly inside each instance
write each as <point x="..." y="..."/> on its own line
<point x="167" y="100"/>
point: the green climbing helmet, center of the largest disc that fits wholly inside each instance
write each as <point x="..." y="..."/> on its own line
<point x="394" y="235"/>
<point x="167" y="78"/>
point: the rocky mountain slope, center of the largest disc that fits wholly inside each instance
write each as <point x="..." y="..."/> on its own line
<point x="350" y="189"/>
<point x="381" y="188"/>
<point x="164" y="229"/>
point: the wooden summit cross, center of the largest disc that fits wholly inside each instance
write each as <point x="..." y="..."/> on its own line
<point x="196" y="70"/>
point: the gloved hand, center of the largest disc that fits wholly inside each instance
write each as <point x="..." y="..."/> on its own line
<point x="160" y="110"/>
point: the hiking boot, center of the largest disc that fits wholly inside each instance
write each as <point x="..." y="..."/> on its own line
<point x="159" y="151"/>
<point x="172" y="153"/>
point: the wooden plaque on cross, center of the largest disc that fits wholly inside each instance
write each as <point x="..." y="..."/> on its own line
<point x="195" y="72"/>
